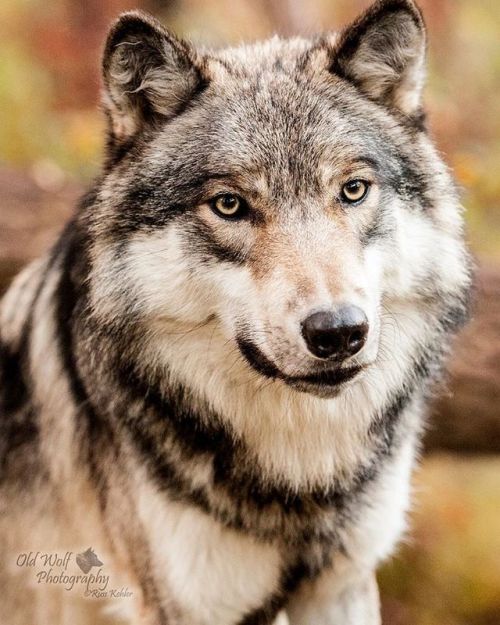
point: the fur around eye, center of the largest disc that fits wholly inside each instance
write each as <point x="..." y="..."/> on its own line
<point x="355" y="191"/>
<point x="228" y="205"/>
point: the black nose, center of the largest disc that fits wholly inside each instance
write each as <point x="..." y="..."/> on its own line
<point x="338" y="334"/>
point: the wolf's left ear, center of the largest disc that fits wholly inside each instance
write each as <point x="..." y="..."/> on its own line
<point x="383" y="54"/>
<point x="148" y="74"/>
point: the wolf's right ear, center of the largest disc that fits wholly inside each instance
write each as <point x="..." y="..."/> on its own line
<point x="148" y="74"/>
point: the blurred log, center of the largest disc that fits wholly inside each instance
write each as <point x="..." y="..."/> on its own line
<point x="466" y="418"/>
<point x="32" y="211"/>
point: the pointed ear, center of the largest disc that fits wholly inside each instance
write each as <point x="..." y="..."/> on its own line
<point x="148" y="74"/>
<point x="383" y="54"/>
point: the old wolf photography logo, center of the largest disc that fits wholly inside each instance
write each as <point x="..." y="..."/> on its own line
<point x="220" y="371"/>
<point x="87" y="559"/>
<point x="53" y="569"/>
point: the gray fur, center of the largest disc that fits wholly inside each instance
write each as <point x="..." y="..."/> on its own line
<point x="153" y="368"/>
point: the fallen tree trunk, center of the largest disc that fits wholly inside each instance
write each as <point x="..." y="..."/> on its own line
<point x="30" y="218"/>
<point x="466" y="417"/>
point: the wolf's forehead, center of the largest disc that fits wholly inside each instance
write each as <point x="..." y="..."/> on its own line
<point x="274" y="53"/>
<point x="284" y="128"/>
<point x="268" y="96"/>
<point x="268" y="113"/>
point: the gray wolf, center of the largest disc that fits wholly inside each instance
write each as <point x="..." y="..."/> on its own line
<point x="225" y="358"/>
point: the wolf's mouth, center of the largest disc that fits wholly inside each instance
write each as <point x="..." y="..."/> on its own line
<point x="326" y="379"/>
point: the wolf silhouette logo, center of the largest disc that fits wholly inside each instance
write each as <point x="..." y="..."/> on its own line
<point x="87" y="559"/>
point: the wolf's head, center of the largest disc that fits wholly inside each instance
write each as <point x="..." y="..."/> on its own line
<point x="285" y="193"/>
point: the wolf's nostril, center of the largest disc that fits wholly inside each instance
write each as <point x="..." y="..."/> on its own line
<point x="337" y="335"/>
<point x="328" y="342"/>
<point x="355" y="338"/>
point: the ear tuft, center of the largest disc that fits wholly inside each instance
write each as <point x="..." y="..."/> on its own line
<point x="383" y="54"/>
<point x="148" y="74"/>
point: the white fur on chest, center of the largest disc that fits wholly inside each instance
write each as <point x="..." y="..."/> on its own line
<point x="214" y="574"/>
<point x="383" y="519"/>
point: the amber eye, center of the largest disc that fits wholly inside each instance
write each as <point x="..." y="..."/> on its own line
<point x="228" y="205"/>
<point x="355" y="191"/>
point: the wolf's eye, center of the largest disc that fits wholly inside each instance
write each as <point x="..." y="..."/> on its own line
<point x="355" y="191"/>
<point x="228" y="205"/>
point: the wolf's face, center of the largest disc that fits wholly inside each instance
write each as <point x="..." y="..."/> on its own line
<point x="284" y="192"/>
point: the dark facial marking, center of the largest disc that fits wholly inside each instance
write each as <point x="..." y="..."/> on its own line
<point x="201" y="240"/>
<point x="259" y="361"/>
<point x="256" y="359"/>
<point x="380" y="228"/>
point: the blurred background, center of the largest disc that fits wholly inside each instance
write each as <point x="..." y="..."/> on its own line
<point x="51" y="141"/>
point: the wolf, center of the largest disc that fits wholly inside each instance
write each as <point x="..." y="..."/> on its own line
<point x="219" y="373"/>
